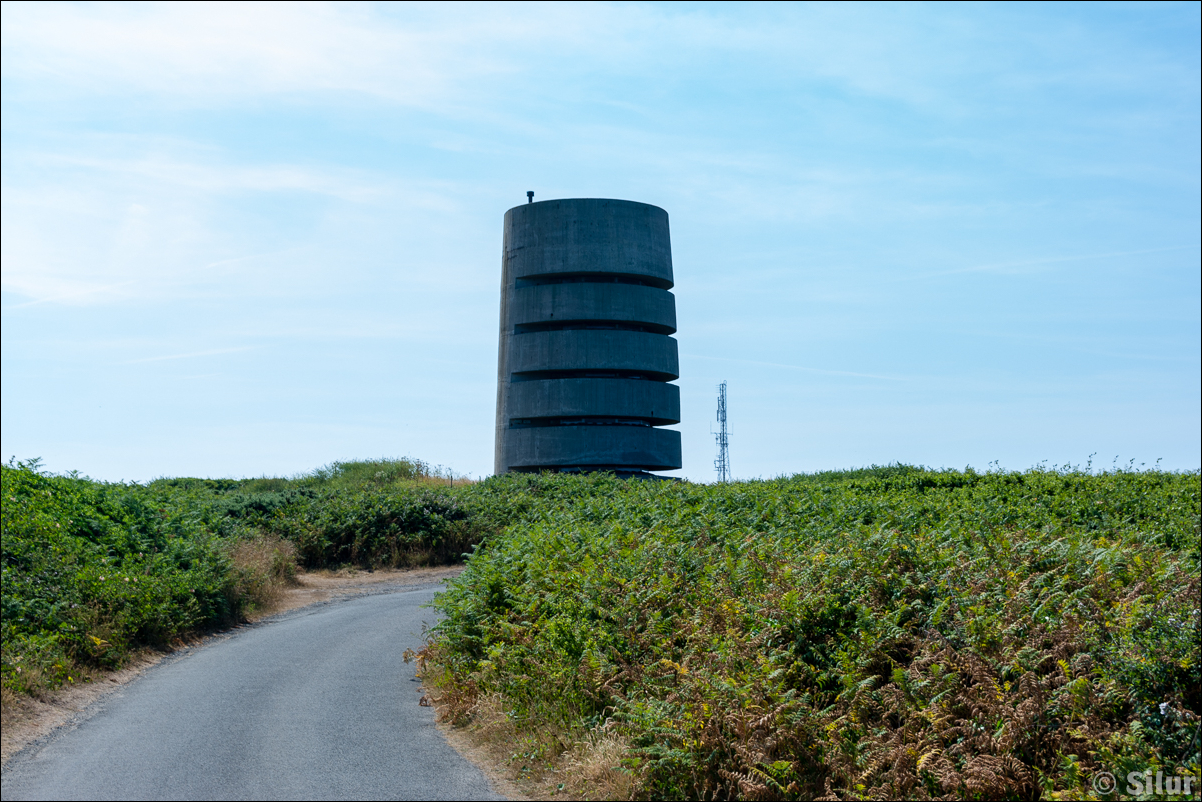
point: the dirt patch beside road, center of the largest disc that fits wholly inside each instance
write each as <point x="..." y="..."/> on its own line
<point x="27" y="719"/>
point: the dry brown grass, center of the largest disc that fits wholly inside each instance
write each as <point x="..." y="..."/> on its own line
<point x="262" y="568"/>
<point x="324" y="584"/>
<point x="592" y="770"/>
<point x="535" y="763"/>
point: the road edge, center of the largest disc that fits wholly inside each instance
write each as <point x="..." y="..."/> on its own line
<point x="63" y="710"/>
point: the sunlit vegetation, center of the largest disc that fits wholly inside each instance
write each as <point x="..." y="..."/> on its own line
<point x="883" y="633"/>
<point x="93" y="571"/>
<point x="891" y="632"/>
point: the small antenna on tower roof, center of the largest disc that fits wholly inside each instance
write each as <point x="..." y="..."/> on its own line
<point x="530" y="197"/>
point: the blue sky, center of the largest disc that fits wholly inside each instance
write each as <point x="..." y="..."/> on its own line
<point x="246" y="240"/>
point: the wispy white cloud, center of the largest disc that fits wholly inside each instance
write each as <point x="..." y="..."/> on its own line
<point x="801" y="368"/>
<point x="74" y="292"/>
<point x="190" y="355"/>
<point x="181" y="164"/>
<point x="806" y="152"/>
<point x="197" y="51"/>
<point x="80" y="229"/>
<point x="146" y="220"/>
<point x="1023" y="265"/>
<point x="438" y="56"/>
<point x="218" y="177"/>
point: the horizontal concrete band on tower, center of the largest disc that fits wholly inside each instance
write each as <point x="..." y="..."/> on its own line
<point x="651" y="401"/>
<point x="628" y="305"/>
<point x="594" y="350"/>
<point x="584" y="353"/>
<point x="588" y="235"/>
<point x="593" y="448"/>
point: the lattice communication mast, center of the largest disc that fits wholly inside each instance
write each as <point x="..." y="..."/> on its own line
<point x="722" y="463"/>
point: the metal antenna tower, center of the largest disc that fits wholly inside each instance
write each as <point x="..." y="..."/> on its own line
<point x="722" y="463"/>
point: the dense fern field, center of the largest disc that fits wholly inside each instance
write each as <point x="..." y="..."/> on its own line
<point x="94" y="571"/>
<point x="886" y="633"/>
<point x="891" y="632"/>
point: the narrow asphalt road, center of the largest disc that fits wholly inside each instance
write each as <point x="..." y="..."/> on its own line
<point x="315" y="705"/>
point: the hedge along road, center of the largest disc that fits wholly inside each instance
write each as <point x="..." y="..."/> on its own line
<point x="317" y="704"/>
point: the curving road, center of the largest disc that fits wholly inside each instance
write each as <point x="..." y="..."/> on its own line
<point x="316" y="704"/>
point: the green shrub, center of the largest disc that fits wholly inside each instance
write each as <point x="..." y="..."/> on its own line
<point x="92" y="570"/>
<point x="893" y="632"/>
<point x="885" y="632"/>
<point x="374" y="527"/>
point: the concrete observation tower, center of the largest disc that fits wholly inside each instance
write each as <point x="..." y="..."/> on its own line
<point x="585" y="355"/>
